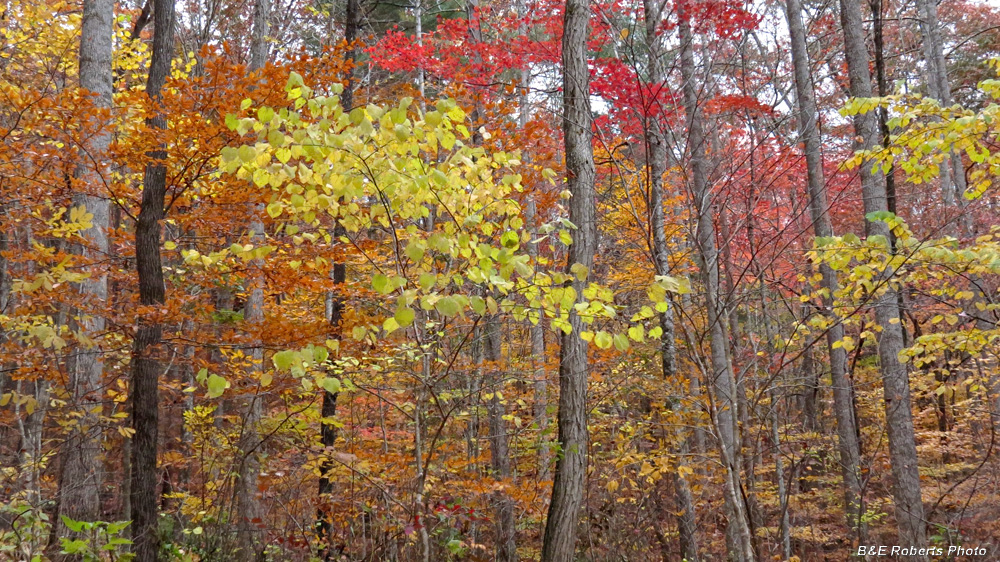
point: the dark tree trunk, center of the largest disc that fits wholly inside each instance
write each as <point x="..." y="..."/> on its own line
<point x="146" y="355"/>
<point x="334" y="314"/>
<point x="559" y="542"/>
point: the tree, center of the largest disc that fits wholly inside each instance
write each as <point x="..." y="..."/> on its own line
<point x="722" y="378"/>
<point x="847" y="432"/>
<point x="656" y="149"/>
<point x="248" y="509"/>
<point x="559" y="544"/>
<point x="146" y="355"/>
<point x="899" y="415"/>
<point x="82" y="472"/>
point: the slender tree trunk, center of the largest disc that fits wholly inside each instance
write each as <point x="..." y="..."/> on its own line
<point x="418" y="16"/>
<point x="939" y="88"/>
<point x="847" y="431"/>
<point x="328" y="431"/>
<point x="146" y="360"/>
<point x="779" y="476"/>
<point x="809" y="374"/>
<point x="249" y="513"/>
<point x="537" y="334"/>
<point x="722" y="379"/>
<point x="506" y="547"/>
<point x="559" y="542"/>
<point x="656" y="149"/>
<point x="334" y="316"/>
<point x="30" y="450"/>
<point x="258" y="40"/>
<point x="537" y="330"/>
<point x="895" y="379"/>
<point x="81" y="465"/>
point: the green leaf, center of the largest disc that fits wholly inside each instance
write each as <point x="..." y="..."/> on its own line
<point x="478" y="304"/>
<point x="637" y="333"/>
<point x="381" y="284"/>
<point x="247" y="154"/>
<point x="510" y="240"/>
<point x="603" y="340"/>
<point x="404" y="316"/>
<point x="447" y="306"/>
<point x="415" y="250"/>
<point x="621" y="342"/>
<point x="229" y="153"/>
<point x="358" y="333"/>
<point x="320" y="354"/>
<point x="276" y="139"/>
<point x="216" y="385"/>
<point x="283" y="359"/>
<point x="330" y="384"/>
<point x="265" y="114"/>
<point x="72" y="524"/>
<point x="73" y="546"/>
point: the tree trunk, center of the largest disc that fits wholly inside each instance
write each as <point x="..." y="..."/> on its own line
<point x="779" y="477"/>
<point x="334" y="315"/>
<point x="843" y="405"/>
<point x="146" y="360"/>
<point x="258" y="39"/>
<point x="559" y="542"/>
<point x="536" y="330"/>
<point x="537" y="334"/>
<point x="249" y="513"/>
<point x="895" y="379"/>
<point x="506" y="547"/>
<point x="656" y="149"/>
<point x="81" y="477"/>
<point x="939" y="88"/>
<point x="723" y="382"/>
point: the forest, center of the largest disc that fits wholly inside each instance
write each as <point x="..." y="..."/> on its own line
<point x="499" y="280"/>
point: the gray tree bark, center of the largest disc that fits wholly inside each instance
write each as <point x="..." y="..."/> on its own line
<point x="847" y="440"/>
<point x="895" y="378"/>
<point x="536" y="331"/>
<point x="81" y="476"/>
<point x="939" y="88"/>
<point x="258" y="38"/>
<point x="248" y="509"/>
<point x="504" y="525"/>
<point x="723" y="381"/>
<point x="656" y="149"/>
<point x="559" y="543"/>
